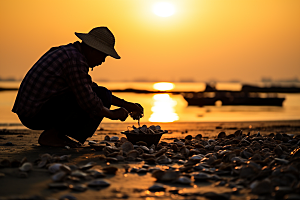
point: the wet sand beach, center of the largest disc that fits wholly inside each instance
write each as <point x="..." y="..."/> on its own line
<point x="247" y="161"/>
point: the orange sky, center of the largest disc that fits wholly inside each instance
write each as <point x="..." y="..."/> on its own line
<point x="205" y="39"/>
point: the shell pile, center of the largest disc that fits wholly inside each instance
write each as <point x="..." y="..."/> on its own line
<point x="268" y="167"/>
<point x="146" y="130"/>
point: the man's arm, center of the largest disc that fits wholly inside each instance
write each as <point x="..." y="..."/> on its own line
<point x="117" y="114"/>
<point x="135" y="109"/>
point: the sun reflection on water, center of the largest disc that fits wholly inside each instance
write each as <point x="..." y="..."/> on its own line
<point x="163" y="109"/>
<point x="163" y="106"/>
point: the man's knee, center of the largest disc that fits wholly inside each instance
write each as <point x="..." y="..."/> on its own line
<point x="104" y="94"/>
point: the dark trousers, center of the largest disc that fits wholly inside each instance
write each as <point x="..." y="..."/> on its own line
<point x="65" y="115"/>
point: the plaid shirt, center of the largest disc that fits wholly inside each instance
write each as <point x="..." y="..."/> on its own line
<point x="59" y="69"/>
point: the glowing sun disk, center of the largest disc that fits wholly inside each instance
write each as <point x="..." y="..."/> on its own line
<point x="163" y="86"/>
<point x="163" y="9"/>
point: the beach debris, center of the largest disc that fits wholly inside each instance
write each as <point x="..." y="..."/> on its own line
<point x="157" y="187"/>
<point x="87" y="166"/>
<point x="55" y="167"/>
<point x="92" y="142"/>
<point x="114" y="138"/>
<point x="201" y="176"/>
<point x="26" y="167"/>
<point x="45" y="158"/>
<point x="127" y="146"/>
<point x="222" y="135"/>
<point x="184" y="180"/>
<point x="98" y="183"/>
<point x="79" y="174"/>
<point x="107" y="138"/>
<point x="78" y="187"/>
<point x="59" y="176"/>
<point x="96" y="173"/>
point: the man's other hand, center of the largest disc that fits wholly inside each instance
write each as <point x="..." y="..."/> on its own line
<point x="119" y="114"/>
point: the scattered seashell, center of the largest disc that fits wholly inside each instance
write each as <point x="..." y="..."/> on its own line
<point x="64" y="157"/>
<point x="161" y="152"/>
<point x="282" y="161"/>
<point x="92" y="142"/>
<point x="133" y="154"/>
<point x="59" y="176"/>
<point x="142" y="171"/>
<point x="96" y="173"/>
<point x="65" y="168"/>
<point x="114" y="138"/>
<point x="53" y="168"/>
<point x="164" y="160"/>
<point x="145" y="149"/>
<point x="157" y="187"/>
<point x="221" y="135"/>
<point x="26" y="167"/>
<point x="78" y="187"/>
<point x="87" y="166"/>
<point x="134" y="170"/>
<point x="127" y="146"/>
<point x="42" y="163"/>
<point x="188" y="137"/>
<point x="201" y="176"/>
<point x="278" y="150"/>
<point x="98" y="183"/>
<point x="184" y="180"/>
<point x="184" y="151"/>
<point x="79" y="174"/>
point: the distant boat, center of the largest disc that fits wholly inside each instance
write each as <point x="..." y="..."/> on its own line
<point x="211" y="96"/>
<point x="277" y="89"/>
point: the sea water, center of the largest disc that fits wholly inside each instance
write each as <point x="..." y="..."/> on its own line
<point x="168" y="107"/>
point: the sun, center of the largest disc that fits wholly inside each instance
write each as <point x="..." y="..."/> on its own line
<point x="163" y="86"/>
<point x="163" y="9"/>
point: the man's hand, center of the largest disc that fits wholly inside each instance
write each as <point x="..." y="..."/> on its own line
<point x="119" y="114"/>
<point x="136" y="110"/>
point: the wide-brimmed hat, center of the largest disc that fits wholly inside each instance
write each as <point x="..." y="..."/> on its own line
<point x="100" y="38"/>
